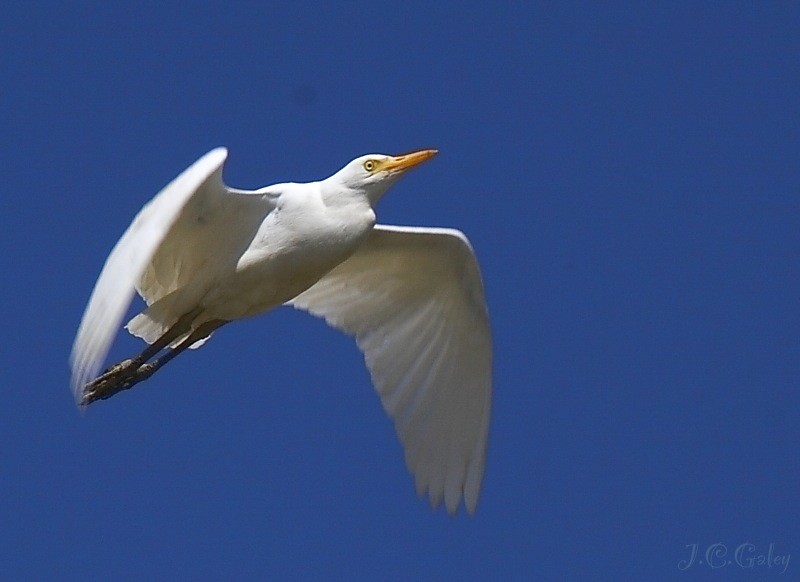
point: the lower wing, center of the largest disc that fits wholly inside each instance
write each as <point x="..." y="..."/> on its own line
<point x="413" y="298"/>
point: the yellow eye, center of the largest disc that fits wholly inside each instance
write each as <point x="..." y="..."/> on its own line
<point x="369" y="165"/>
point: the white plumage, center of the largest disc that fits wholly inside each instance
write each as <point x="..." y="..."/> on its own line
<point x="202" y="254"/>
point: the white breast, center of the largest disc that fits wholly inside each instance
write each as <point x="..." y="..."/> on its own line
<point x="297" y="244"/>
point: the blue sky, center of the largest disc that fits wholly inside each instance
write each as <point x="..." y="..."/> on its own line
<point x="629" y="176"/>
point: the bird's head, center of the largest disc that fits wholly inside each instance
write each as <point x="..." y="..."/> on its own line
<point x="374" y="174"/>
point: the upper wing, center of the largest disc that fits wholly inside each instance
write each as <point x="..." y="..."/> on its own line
<point x="129" y="259"/>
<point x="414" y="300"/>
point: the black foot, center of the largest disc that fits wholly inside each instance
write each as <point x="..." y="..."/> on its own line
<point x="116" y="379"/>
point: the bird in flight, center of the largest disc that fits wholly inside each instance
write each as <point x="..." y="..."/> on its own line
<point x="202" y="254"/>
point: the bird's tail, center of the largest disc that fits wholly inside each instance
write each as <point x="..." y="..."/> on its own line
<point x="154" y="321"/>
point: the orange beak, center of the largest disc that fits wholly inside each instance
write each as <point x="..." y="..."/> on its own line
<point x="405" y="162"/>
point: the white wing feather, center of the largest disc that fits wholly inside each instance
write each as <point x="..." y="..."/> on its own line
<point x="413" y="299"/>
<point x="128" y="260"/>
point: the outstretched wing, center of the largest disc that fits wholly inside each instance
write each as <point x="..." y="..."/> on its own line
<point x="413" y="299"/>
<point x="129" y="259"/>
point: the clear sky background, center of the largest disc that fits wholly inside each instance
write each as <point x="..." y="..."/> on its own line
<point x="629" y="176"/>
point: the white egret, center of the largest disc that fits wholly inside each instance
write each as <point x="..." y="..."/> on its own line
<point x="202" y="254"/>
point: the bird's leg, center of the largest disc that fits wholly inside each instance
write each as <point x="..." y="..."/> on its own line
<point x="129" y="366"/>
<point x="104" y="385"/>
<point x="143" y="370"/>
